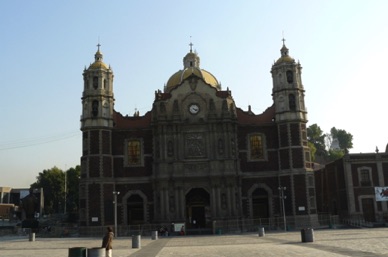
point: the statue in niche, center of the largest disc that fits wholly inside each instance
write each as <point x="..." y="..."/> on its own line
<point x="223" y="201"/>
<point x="170" y="148"/>
<point x="220" y="146"/>
<point x="233" y="145"/>
<point x="157" y="149"/>
<point x="172" y="203"/>
<point x="175" y="106"/>
<point x="224" y="105"/>
<point x="162" y="108"/>
<point x="212" y="107"/>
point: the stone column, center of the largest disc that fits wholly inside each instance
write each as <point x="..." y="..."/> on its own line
<point x="349" y="187"/>
<point x="380" y="175"/>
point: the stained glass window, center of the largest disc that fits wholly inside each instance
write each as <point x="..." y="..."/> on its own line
<point x="134" y="152"/>
<point x="256" y="147"/>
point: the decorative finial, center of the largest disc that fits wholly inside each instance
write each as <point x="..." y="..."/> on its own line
<point x="191" y="45"/>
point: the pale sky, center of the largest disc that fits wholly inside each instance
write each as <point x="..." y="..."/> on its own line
<point x="45" y="45"/>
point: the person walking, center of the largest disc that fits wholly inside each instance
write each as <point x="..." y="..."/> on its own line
<point x="107" y="241"/>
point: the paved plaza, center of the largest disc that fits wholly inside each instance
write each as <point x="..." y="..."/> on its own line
<point x="334" y="242"/>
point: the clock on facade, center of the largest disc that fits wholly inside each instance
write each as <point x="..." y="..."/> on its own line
<point x="194" y="108"/>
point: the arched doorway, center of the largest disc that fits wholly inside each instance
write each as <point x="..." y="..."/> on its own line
<point x="260" y="206"/>
<point x="198" y="208"/>
<point x="135" y="209"/>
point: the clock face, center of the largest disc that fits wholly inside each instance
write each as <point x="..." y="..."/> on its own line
<point x="194" y="108"/>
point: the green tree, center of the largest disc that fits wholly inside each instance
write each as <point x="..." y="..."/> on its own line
<point x="53" y="183"/>
<point x="316" y="137"/>
<point x="72" y="190"/>
<point x="57" y="194"/>
<point x="323" y="143"/>
<point x="313" y="150"/>
<point x="335" y="154"/>
<point x="344" y="138"/>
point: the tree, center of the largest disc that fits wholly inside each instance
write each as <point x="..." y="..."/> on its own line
<point x="323" y="143"/>
<point x="72" y="190"/>
<point x="53" y="183"/>
<point x="313" y="150"/>
<point x="316" y="136"/>
<point x="344" y="138"/>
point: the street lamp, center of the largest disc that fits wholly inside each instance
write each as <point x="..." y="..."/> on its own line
<point x="115" y="193"/>
<point x="283" y="197"/>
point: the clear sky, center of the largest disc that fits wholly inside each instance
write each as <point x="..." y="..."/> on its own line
<point x="45" y="45"/>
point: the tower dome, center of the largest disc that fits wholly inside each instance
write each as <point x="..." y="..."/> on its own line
<point x="98" y="63"/>
<point x="191" y="67"/>
<point x="284" y="57"/>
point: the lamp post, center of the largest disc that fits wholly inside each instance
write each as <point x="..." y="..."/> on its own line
<point x="115" y="193"/>
<point x="64" y="210"/>
<point x="283" y="197"/>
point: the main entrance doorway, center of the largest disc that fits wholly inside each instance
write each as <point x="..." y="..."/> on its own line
<point x="198" y="209"/>
<point x="260" y="207"/>
<point x="135" y="210"/>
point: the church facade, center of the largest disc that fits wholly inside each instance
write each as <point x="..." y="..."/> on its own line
<point x="195" y="157"/>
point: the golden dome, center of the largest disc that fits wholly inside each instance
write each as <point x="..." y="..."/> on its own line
<point x="98" y="65"/>
<point x="284" y="58"/>
<point x="178" y="77"/>
<point x="191" y="68"/>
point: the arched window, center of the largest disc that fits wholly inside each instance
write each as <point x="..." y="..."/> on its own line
<point x="290" y="77"/>
<point x="256" y="147"/>
<point x="95" y="82"/>
<point x="291" y="102"/>
<point x="134" y="152"/>
<point x="95" y="108"/>
<point x="104" y="85"/>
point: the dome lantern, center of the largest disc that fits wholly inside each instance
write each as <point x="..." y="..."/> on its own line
<point x="191" y="67"/>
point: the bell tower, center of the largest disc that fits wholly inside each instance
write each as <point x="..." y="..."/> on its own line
<point x="97" y="97"/>
<point x="288" y="91"/>
<point x="96" y="126"/>
<point x="290" y="112"/>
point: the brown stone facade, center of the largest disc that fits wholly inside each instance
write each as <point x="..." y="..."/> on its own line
<point x="195" y="157"/>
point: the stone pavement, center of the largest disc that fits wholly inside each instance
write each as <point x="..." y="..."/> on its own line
<point x="335" y="242"/>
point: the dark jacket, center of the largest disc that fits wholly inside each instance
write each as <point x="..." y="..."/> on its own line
<point x="107" y="241"/>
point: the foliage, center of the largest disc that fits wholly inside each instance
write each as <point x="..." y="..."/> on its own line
<point x="73" y="176"/>
<point x="53" y="183"/>
<point x="345" y="139"/>
<point x="317" y="138"/>
<point x="313" y="150"/>
<point x="323" y="143"/>
<point x="335" y="154"/>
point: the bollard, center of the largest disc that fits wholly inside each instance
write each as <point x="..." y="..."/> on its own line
<point x="77" y="252"/>
<point x="32" y="237"/>
<point x="136" y="241"/>
<point x="96" y="252"/>
<point x="261" y="231"/>
<point x="307" y="235"/>
<point x="154" y="235"/>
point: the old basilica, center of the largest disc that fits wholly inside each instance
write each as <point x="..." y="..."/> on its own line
<point x="195" y="156"/>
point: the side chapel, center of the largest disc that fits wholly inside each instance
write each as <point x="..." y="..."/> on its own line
<point x="195" y="155"/>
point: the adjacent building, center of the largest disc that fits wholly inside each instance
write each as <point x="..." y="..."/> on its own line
<point x="353" y="187"/>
